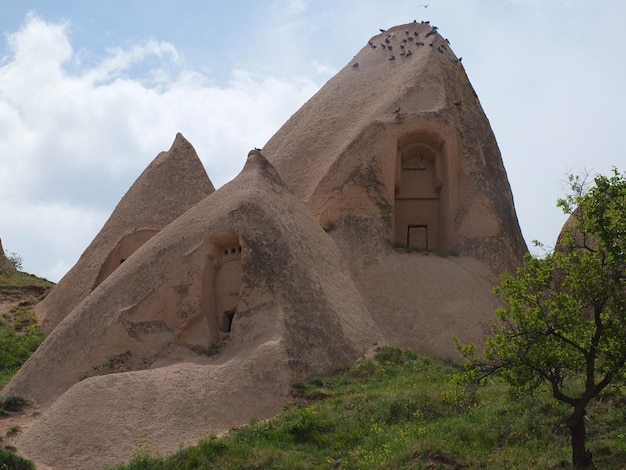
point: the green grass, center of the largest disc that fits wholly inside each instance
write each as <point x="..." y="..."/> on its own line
<point x="16" y="348"/>
<point x="17" y="284"/>
<point x="19" y="333"/>
<point x="400" y="411"/>
<point x="9" y="460"/>
<point x="19" y="337"/>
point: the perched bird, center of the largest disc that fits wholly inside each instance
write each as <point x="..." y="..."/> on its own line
<point x="389" y="47"/>
<point x="387" y="40"/>
<point x="401" y="46"/>
<point x="393" y="57"/>
<point x="382" y="30"/>
<point x="430" y="33"/>
<point x="397" y="110"/>
<point x="430" y="44"/>
<point x="355" y="65"/>
<point x="382" y="45"/>
<point x="416" y="33"/>
<point x="440" y="49"/>
<point x="402" y="54"/>
<point x="410" y="38"/>
<point x="370" y="43"/>
<point x="408" y="53"/>
<point x="447" y="41"/>
<point x="406" y="32"/>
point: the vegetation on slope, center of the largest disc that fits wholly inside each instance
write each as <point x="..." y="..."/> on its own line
<point x="17" y="284"/>
<point x="19" y="333"/>
<point x="19" y="337"/>
<point x="401" y="410"/>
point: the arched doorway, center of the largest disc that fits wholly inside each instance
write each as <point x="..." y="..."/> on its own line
<point x="222" y="279"/>
<point x="417" y="198"/>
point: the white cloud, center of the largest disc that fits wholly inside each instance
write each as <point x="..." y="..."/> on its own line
<point x="73" y="140"/>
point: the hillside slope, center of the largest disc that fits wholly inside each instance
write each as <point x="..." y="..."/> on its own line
<point x="20" y="335"/>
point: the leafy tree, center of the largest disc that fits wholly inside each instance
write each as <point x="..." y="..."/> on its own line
<point x="16" y="259"/>
<point x="563" y="323"/>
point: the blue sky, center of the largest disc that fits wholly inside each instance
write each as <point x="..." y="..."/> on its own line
<point x="91" y="92"/>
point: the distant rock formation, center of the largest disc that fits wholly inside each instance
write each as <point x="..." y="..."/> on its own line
<point x="5" y="263"/>
<point x="380" y="212"/>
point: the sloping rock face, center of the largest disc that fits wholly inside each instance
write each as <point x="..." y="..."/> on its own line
<point x="5" y="263"/>
<point x="396" y="159"/>
<point x="171" y="184"/>
<point x="248" y="272"/>
<point x="381" y="214"/>
<point x="403" y="147"/>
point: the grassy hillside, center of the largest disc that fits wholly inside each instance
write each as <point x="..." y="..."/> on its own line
<point x="400" y="410"/>
<point x="16" y="285"/>
<point x="19" y="333"/>
<point x="19" y="337"/>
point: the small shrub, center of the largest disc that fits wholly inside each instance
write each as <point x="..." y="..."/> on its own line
<point x="12" y="431"/>
<point x="16" y="259"/>
<point x="395" y="356"/>
<point x="11" y="461"/>
<point x="12" y="403"/>
<point x="304" y="425"/>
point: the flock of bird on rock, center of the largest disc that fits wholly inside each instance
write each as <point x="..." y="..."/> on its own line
<point x="411" y="38"/>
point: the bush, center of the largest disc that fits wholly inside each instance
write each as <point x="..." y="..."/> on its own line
<point x="12" y="461"/>
<point x="12" y="403"/>
<point x="16" y="349"/>
<point x="17" y="261"/>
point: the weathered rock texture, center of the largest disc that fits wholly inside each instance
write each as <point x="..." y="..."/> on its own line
<point x="248" y="262"/>
<point x="400" y="153"/>
<point x="5" y="263"/>
<point x="172" y="183"/>
<point x="403" y="147"/>
<point x="381" y="214"/>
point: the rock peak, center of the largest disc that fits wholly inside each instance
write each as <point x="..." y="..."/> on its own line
<point x="5" y="263"/>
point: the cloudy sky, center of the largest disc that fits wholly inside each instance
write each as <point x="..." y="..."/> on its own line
<point x="92" y="91"/>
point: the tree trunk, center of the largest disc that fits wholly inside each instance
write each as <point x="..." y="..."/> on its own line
<point x="581" y="457"/>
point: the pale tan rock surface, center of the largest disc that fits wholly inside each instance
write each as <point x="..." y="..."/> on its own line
<point x="382" y="214"/>
<point x="170" y="185"/>
<point x="399" y="152"/>
<point x="298" y="314"/>
<point x="5" y="263"/>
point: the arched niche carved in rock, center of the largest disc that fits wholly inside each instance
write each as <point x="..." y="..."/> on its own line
<point x="418" y="211"/>
<point x="124" y="248"/>
<point x="222" y="282"/>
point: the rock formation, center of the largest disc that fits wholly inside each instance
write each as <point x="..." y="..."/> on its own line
<point x="397" y="155"/>
<point x="171" y="184"/>
<point x="380" y="212"/>
<point x="5" y="263"/>
<point x="404" y="148"/>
